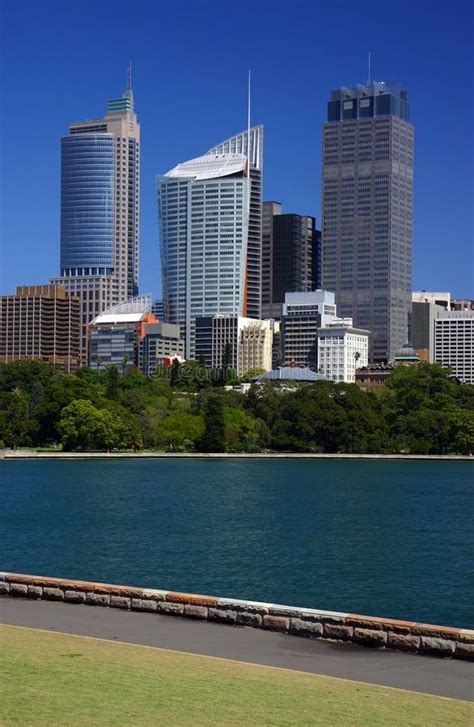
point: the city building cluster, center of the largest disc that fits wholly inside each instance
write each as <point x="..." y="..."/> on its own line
<point x="245" y="285"/>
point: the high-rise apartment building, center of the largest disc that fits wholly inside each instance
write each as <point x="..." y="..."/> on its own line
<point x="210" y="235"/>
<point x="291" y="257"/>
<point x="367" y="211"/>
<point x="100" y="207"/>
<point x="40" y="322"/>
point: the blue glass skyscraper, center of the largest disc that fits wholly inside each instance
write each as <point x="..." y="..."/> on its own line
<point x="100" y="205"/>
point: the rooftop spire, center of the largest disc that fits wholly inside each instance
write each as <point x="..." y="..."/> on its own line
<point x="129" y="76"/>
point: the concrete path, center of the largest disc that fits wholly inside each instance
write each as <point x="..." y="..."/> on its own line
<point x="444" y="677"/>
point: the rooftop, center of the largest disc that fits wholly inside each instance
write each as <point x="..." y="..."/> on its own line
<point x="290" y="373"/>
<point x="209" y="167"/>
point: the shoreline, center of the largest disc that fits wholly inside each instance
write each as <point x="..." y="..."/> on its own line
<point x="33" y="454"/>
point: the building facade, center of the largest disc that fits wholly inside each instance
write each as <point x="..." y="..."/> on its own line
<point x="160" y="343"/>
<point x="367" y="211"/>
<point x="247" y="340"/>
<point x="158" y="309"/>
<point x="291" y="257"/>
<point x="209" y="209"/>
<point x="100" y="210"/>
<point x="41" y="323"/>
<point x="252" y="148"/>
<point x="114" y="335"/>
<point x="342" y="349"/>
<point x="454" y="343"/>
<point x="421" y="328"/>
<point x="303" y="314"/>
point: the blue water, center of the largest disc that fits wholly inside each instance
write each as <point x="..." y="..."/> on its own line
<point x="381" y="538"/>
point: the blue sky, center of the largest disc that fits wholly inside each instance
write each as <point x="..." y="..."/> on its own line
<point x="60" y="62"/>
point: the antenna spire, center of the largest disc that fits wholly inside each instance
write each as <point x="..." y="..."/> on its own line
<point x="248" y="119"/>
<point x="368" y="77"/>
<point x="129" y="76"/>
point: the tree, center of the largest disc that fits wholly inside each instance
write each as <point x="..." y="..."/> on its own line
<point x="85" y="427"/>
<point x="180" y="431"/>
<point x="175" y="373"/>
<point x="112" y="382"/>
<point x="227" y="359"/>
<point x="214" y="433"/>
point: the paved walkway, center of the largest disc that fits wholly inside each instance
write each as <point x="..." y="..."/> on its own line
<point x="444" y="677"/>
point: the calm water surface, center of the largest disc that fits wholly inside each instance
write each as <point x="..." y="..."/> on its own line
<point x="383" y="538"/>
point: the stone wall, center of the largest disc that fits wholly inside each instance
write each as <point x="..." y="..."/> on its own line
<point x="371" y="631"/>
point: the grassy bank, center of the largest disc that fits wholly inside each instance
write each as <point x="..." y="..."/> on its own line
<point x="56" y="679"/>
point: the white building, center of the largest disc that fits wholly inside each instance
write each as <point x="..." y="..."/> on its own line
<point x="210" y="233"/>
<point x="248" y="340"/>
<point x="342" y="349"/>
<point x="454" y="343"/>
<point x="426" y="296"/>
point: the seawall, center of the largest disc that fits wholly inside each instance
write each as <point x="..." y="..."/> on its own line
<point x="33" y="454"/>
<point x="370" y="631"/>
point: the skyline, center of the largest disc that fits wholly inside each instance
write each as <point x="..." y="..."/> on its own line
<point x="179" y="130"/>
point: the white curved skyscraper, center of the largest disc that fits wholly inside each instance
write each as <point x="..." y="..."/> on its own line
<point x="210" y="234"/>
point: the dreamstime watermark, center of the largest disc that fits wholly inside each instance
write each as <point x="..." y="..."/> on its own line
<point x="191" y="372"/>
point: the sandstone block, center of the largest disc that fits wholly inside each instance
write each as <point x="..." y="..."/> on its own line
<point x="53" y="594"/>
<point x="310" y="629"/>
<point x="74" y="596"/>
<point x="97" y="599"/>
<point x="370" y="637"/>
<point x="403" y="642"/>
<point x="222" y="616"/>
<point x="276" y="623"/>
<point x="119" y="602"/>
<point x="143" y="604"/>
<point x="336" y="631"/>
<point x="4" y="588"/>
<point x="249" y="619"/>
<point x="437" y="647"/>
<point x="35" y="591"/>
<point x="464" y="651"/>
<point x="192" y="611"/>
<point x="171" y="609"/>
<point x="18" y="589"/>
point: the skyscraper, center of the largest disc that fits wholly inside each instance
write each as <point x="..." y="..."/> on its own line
<point x="100" y="206"/>
<point x="367" y="211"/>
<point x="210" y="235"/>
<point x="291" y="257"/>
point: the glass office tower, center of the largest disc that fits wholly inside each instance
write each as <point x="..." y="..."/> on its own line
<point x="367" y="211"/>
<point x="100" y="206"/>
<point x="209" y="235"/>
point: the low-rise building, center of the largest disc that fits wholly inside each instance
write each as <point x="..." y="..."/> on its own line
<point x="41" y="323"/>
<point x="235" y="342"/>
<point x="373" y="374"/>
<point x="303" y="314"/>
<point x="421" y="325"/>
<point x="159" y="344"/>
<point x="342" y="349"/>
<point x="114" y="335"/>
<point x="454" y="343"/>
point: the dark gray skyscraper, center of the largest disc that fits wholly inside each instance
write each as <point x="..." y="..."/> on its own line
<point x="291" y="257"/>
<point x="367" y="211"/>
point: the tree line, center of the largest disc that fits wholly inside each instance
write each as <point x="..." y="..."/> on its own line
<point x="420" y="410"/>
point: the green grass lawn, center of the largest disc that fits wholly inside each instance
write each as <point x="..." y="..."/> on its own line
<point x="57" y="679"/>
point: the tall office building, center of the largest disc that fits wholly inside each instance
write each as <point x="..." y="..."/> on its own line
<point x="291" y="257"/>
<point x="253" y="150"/>
<point x="210" y="235"/>
<point x="100" y="206"/>
<point x="367" y="211"/>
